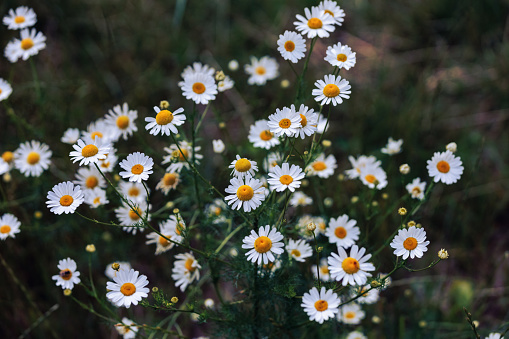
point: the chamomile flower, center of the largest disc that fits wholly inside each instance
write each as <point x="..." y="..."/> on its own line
<point x="247" y="193"/>
<point x="137" y="167"/>
<point x="170" y="230"/>
<point x="322" y="167"/>
<point x="216" y="211"/>
<point x="89" y="151"/>
<point x="261" y="136"/>
<point x="369" y="295"/>
<point x="373" y="177"/>
<point x="261" y="70"/>
<point x="299" y="250"/>
<point x="315" y="23"/>
<point x="133" y="191"/>
<point x="127" y="288"/>
<point x="185" y="270"/>
<point x="121" y="119"/>
<point x="494" y="336"/>
<point x="292" y="46"/>
<point x="351" y="269"/>
<point x="31" y="43"/>
<point x="64" y="198"/>
<point x="168" y="182"/>
<point x="356" y="335"/>
<point x="225" y="84"/>
<point x="19" y="18"/>
<point x="300" y="199"/>
<point x="218" y="146"/>
<point x="127" y="328"/>
<point x="89" y="178"/>
<point x="445" y="167"/>
<point x="95" y="197"/>
<point x="199" y="87"/>
<point x="416" y="188"/>
<point x="9" y="226"/>
<point x="410" y="242"/>
<point x="123" y="266"/>
<point x="68" y="275"/>
<point x="181" y="156"/>
<point x="272" y="160"/>
<point x="108" y="164"/>
<point x="332" y="8"/>
<point x="32" y="158"/>
<point x="284" y="122"/>
<point x="99" y="129"/>
<point x="285" y="177"/>
<point x="71" y="136"/>
<point x="340" y="56"/>
<point x="331" y="90"/>
<point x="359" y="164"/>
<point x="8" y="158"/>
<point x="165" y="121"/>
<point x="309" y="121"/>
<point x="350" y="314"/>
<point x="130" y="217"/>
<point x="343" y="231"/>
<point x="393" y="146"/>
<point x="324" y="270"/>
<point x="320" y="306"/>
<point x="263" y="245"/>
<point x="243" y="167"/>
<point x="5" y="89"/>
<point x="197" y="68"/>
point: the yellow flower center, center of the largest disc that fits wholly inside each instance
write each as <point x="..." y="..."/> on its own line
<point x="96" y="134"/>
<point x="324" y="270"/>
<point x="319" y="166"/>
<point x="304" y="120"/>
<point x="416" y="191"/>
<point x="350" y="265"/>
<point x="91" y="182"/>
<point x="260" y="70"/>
<point x="97" y="200"/>
<point x="217" y="211"/>
<point x="329" y="12"/>
<point x="89" y="151"/>
<point x="443" y="166"/>
<point x="137" y="169"/>
<point x="5" y="229"/>
<point x="169" y="179"/>
<point x="410" y="243"/>
<point x="66" y="200"/>
<point x="133" y="215"/>
<point x="286" y="179"/>
<point x="184" y="153"/>
<point x="105" y="164"/>
<point x="340" y="232"/>
<point x="33" y="158"/>
<point x="341" y="57"/>
<point x="266" y="135"/>
<point x="243" y="165"/>
<point x="164" y="117"/>
<point x="285" y="123"/>
<point x="321" y="305"/>
<point x="180" y="227"/>
<point x="289" y="46"/>
<point x="245" y="193"/>
<point x="331" y="91"/>
<point x="133" y="192"/>
<point x="122" y="122"/>
<point x="263" y="244"/>
<point x="19" y="19"/>
<point x="198" y="88"/>
<point x="295" y="253"/>
<point x="315" y="23"/>
<point x="321" y="225"/>
<point x="350" y="315"/>
<point x="27" y="43"/>
<point x="8" y="156"/>
<point x="189" y="265"/>
<point x="128" y="289"/>
<point x="164" y="242"/>
<point x="65" y="274"/>
<point x="370" y="178"/>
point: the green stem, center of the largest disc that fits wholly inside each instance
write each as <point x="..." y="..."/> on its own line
<point x="36" y="79"/>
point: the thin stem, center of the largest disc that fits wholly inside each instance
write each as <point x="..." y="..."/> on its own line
<point x="293" y="68"/>
<point x="193" y="157"/>
<point x="281" y="216"/>
<point x="228" y="237"/>
<point x="36" y="79"/>
<point x="422" y="269"/>
<point x="202" y="117"/>
<point x="317" y="260"/>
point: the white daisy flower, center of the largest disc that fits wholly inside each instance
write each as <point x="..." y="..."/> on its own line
<point x="185" y="152"/>
<point x="199" y="87"/>
<point x="299" y="250"/>
<point x="68" y="275"/>
<point x="165" y="121"/>
<point x="445" y="167"/>
<point x="331" y="7"/>
<point x="320" y="306"/>
<point x="316" y="23"/>
<point x="322" y="123"/>
<point x="300" y="199"/>
<point x="133" y="191"/>
<point x="285" y="177"/>
<point x="19" y="18"/>
<point x="123" y="266"/>
<point x="356" y="335"/>
<point x="225" y="84"/>
<point x="494" y="336"/>
<point x="130" y="217"/>
<point x="373" y="177"/>
<point x="322" y="167"/>
<point x="5" y="89"/>
<point x="369" y="295"/>
<point x="89" y="151"/>
<point x="71" y="136"/>
<point x="4" y="167"/>
<point x="216" y="211"/>
<point x="197" y="68"/>
<point x="351" y="269"/>
<point x="263" y="245"/>
<point x="171" y="230"/>
<point x="360" y="163"/>
<point x="185" y="270"/>
<point x="32" y="158"/>
<point x="261" y="136"/>
<point x="168" y="182"/>
<point x="350" y="314"/>
<point x="309" y="121"/>
<point x="9" y="226"/>
<point x="416" y="188"/>
<point x="99" y="129"/>
<point x="340" y="56"/>
<point x="272" y="160"/>
<point x="243" y="167"/>
<point x="89" y="178"/>
<point x="393" y="146"/>
<point x="247" y="193"/>
<point x="108" y="164"/>
<point x="331" y="90"/>
<point x="128" y="288"/>
<point x="64" y="198"/>
<point x="343" y="231"/>
<point x="127" y="328"/>
<point x="410" y="242"/>
<point x="8" y="158"/>
<point x="137" y="167"/>
<point x="95" y="197"/>
<point x="121" y="119"/>
<point x="261" y="70"/>
<point x="321" y="225"/>
<point x="30" y="44"/>
<point x="218" y="146"/>
<point x="292" y="46"/>
<point x="284" y="122"/>
<point x="324" y="270"/>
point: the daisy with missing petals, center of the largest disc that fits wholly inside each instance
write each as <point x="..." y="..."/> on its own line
<point x="9" y="226"/>
<point x="342" y="231"/>
<point x="89" y="178"/>
<point x="285" y="177"/>
<point x="331" y="7"/>
<point x="316" y="23"/>
<point x="5" y="89"/>
<point x="19" y="18"/>
<point x="350" y="314"/>
<point x="121" y="119"/>
<point x="416" y="188"/>
<point x="393" y="146"/>
<point x="359" y="164"/>
<point x="445" y="167"/>
<point x="133" y="191"/>
<point x="331" y="90"/>
<point x="299" y="250"/>
<point x="168" y="182"/>
<point x="309" y="121"/>
<point x="122" y="266"/>
<point x="225" y="84"/>
<point x="30" y="44"/>
<point x="320" y="306"/>
<point x="71" y="136"/>
<point x="300" y="199"/>
<point x="185" y="270"/>
<point x="247" y="193"/>
<point x="284" y="122"/>
<point x="64" y="198"/>
<point x="137" y="167"/>
<point x="351" y="269"/>
<point x="410" y="243"/>
<point x="262" y="70"/>
<point x="127" y="328"/>
<point x="263" y="245"/>
<point x="243" y="167"/>
<point x="165" y="121"/>
<point x="324" y="270"/>
<point x="340" y="56"/>
<point x="130" y="217"/>
<point x="373" y="177"/>
<point x="68" y="275"/>
<point x="199" y="87"/>
<point x="95" y="197"/>
<point x="32" y="158"/>
<point x="128" y="288"/>
<point x="170" y="230"/>
<point x="261" y="136"/>
<point x="322" y="167"/>
<point x="89" y="151"/>
<point x="292" y="46"/>
<point x="182" y="156"/>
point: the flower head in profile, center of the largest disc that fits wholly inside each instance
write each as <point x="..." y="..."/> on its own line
<point x="121" y="120"/>
<point x="320" y="306"/>
<point x="127" y="288"/>
<point x="5" y="89"/>
<point x="19" y="18"/>
<point x="68" y="275"/>
<point x="71" y="136"/>
<point x="341" y="56"/>
<point x="199" y="87"/>
<point x="445" y="167"/>
<point x="263" y="245"/>
<point x="292" y="46"/>
<point x="343" y="231"/>
<point x="247" y="193"/>
<point x="393" y="146"/>
<point x="410" y="242"/>
<point x="243" y="167"/>
<point x="350" y="269"/>
<point x="315" y="23"/>
<point x="331" y="7"/>
<point x="322" y="167"/>
<point x="284" y="122"/>
<point x="218" y="146"/>
<point x="285" y="177"/>
<point x="64" y="198"/>
<point x="30" y="44"/>
<point x="32" y="158"/>
<point x="299" y="250"/>
<point x="331" y="90"/>
<point x="261" y="136"/>
<point x="260" y="71"/>
<point x="9" y="226"/>
<point x="416" y="188"/>
<point x="88" y="151"/>
<point x="225" y="84"/>
<point x="185" y="270"/>
<point x="137" y="167"/>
